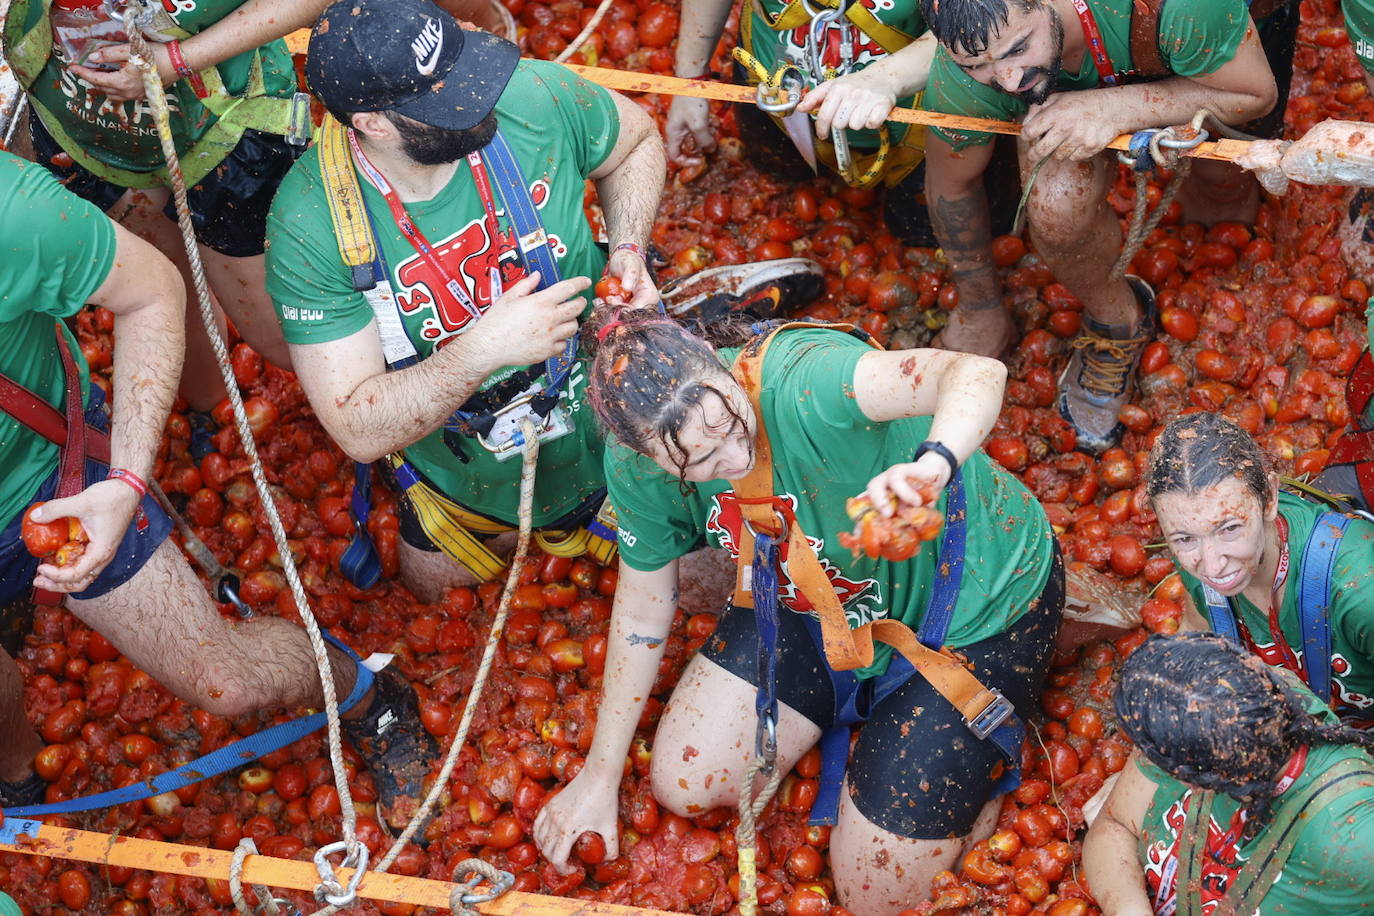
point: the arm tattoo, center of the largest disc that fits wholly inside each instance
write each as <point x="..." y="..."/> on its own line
<point x="635" y="639"/>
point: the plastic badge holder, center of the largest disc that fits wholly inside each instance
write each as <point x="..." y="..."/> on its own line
<point x="505" y="440"/>
<point x="82" y="27"/>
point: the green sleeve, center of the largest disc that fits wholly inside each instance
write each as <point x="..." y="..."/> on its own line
<point x="56" y="249"/>
<point x="587" y="116"/>
<point x="952" y="91"/>
<point x="815" y="369"/>
<point x="1369" y="316"/>
<point x="656" y="525"/>
<point x="1198" y="37"/>
<point x="306" y="277"/>
<point x="1359" y="25"/>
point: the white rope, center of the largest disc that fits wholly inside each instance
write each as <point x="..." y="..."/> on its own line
<point x="586" y="33"/>
<point x="152" y="83"/>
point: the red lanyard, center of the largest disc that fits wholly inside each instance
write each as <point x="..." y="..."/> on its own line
<point x="1290" y="775"/>
<point x="1101" y="59"/>
<point x="1285" y="654"/>
<point x="417" y="238"/>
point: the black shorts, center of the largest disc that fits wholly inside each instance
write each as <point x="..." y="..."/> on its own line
<point x="228" y="207"/>
<point x="904" y="204"/>
<point x="1278" y="35"/>
<point x="925" y="776"/>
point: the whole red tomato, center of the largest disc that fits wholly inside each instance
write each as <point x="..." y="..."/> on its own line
<point x="62" y="539"/>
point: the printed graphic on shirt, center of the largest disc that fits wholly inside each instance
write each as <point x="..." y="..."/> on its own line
<point x="1161" y="862"/>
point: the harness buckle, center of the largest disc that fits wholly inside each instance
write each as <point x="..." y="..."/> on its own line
<point x="782" y="526"/>
<point x="783" y="98"/>
<point x="766" y="740"/>
<point x="504" y="438"/>
<point x="993" y="715"/>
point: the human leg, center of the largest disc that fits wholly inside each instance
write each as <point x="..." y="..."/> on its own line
<point x="21" y="741"/>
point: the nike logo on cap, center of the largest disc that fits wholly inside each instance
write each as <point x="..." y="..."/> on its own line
<point x="427" y="46"/>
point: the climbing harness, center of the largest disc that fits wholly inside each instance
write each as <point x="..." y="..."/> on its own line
<point x="768" y="524"/>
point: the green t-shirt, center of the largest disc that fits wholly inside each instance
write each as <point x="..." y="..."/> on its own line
<point x="560" y="128"/>
<point x="96" y="131"/>
<point x="1351" y="612"/>
<point x="769" y="46"/>
<point x="1196" y="37"/>
<point x="826" y="450"/>
<point x="56" y="249"/>
<point x="1359" y="25"/>
<point x="1331" y="869"/>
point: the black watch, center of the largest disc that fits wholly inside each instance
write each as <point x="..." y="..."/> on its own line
<point x="939" y="448"/>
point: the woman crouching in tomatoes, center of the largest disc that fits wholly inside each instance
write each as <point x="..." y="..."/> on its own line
<point x="836" y="418"/>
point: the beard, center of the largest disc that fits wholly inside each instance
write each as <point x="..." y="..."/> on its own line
<point x="1045" y="87"/>
<point x="428" y="145"/>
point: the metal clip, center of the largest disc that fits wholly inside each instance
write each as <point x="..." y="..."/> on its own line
<point x="330" y="890"/>
<point x="993" y="715"/>
<point x="782" y="527"/>
<point x="504" y="881"/>
<point x="517" y="439"/>
<point x="783" y="98"/>
<point x="766" y="740"/>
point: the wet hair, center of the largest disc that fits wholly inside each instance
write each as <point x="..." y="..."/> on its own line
<point x="649" y="373"/>
<point x="430" y="145"/>
<point x="1210" y="714"/>
<point x="969" y="25"/>
<point x="1200" y="450"/>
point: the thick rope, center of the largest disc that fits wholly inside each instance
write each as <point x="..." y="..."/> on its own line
<point x="267" y="904"/>
<point x="1142" y="225"/>
<point x="746" y="831"/>
<point x="152" y="83"/>
<point x="586" y="32"/>
<point x="462" y="900"/>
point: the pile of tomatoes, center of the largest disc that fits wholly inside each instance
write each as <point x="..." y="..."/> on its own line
<point x="1262" y="323"/>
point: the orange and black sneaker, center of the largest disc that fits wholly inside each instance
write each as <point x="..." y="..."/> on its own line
<point x="758" y="289"/>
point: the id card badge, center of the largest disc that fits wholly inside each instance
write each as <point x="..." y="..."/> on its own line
<point x="505" y="440"/>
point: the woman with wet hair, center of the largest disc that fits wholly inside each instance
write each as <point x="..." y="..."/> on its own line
<point x="1256" y="561"/>
<point x="842" y="418"/>
<point x="1245" y="789"/>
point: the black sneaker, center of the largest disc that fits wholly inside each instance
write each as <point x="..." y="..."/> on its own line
<point x="395" y="746"/>
<point x="30" y="791"/>
<point x="759" y="289"/>
<point x="1098" y="380"/>
<point x="203" y="428"/>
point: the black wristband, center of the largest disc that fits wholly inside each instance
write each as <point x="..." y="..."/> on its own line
<point x="939" y="448"/>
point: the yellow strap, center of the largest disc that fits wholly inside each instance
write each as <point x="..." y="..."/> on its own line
<point x="451" y="528"/>
<point x="795" y="15"/>
<point x="345" y="195"/>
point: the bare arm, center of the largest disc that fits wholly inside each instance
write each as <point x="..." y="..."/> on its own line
<point x="146" y="295"/>
<point x="640" y="620"/>
<point x="252" y="25"/>
<point x="629" y="184"/>
<point x="697" y="37"/>
<point x="1110" y="860"/>
<point x="959" y="213"/>
<point x="962" y="392"/>
<point x="1079" y="125"/>
<point x="371" y="412"/>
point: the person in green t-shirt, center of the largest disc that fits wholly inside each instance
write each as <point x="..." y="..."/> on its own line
<point x="421" y="108"/>
<point x="1241" y="544"/>
<point x="131" y="584"/>
<point x="1237" y="759"/>
<point x="1033" y="61"/>
<point x="842" y="419"/>
<point x="230" y="83"/>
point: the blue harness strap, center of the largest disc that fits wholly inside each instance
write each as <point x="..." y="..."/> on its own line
<point x="232" y="755"/>
<point x="1314" y="603"/>
<point x="764" y="584"/>
<point x="856" y="699"/>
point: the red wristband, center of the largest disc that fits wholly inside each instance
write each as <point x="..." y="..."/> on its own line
<point x="184" y="70"/>
<point x="129" y="477"/>
<point x="630" y="246"/>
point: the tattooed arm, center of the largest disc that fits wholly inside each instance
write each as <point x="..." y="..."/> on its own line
<point x="641" y="617"/>
<point x="959" y="213"/>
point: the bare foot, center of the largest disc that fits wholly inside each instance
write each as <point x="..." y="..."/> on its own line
<point x="984" y="332"/>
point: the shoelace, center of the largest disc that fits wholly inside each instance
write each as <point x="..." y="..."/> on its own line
<point x="1107" y="363"/>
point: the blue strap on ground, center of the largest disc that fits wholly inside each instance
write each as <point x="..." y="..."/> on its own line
<point x="1314" y="600"/>
<point x="856" y="699"/>
<point x="764" y="587"/>
<point x="214" y="763"/>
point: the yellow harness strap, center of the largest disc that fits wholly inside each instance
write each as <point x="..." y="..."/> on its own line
<point x="454" y="529"/>
<point x="347" y="213"/>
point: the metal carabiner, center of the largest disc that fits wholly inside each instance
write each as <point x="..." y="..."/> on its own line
<point x="783" y="98"/>
<point x="330" y="890"/>
<point x="766" y="741"/>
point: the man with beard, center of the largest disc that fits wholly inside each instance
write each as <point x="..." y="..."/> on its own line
<point x="461" y="170"/>
<point x="1073" y="71"/>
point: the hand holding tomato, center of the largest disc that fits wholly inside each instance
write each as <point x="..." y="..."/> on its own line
<point x="90" y="524"/>
<point x="909" y="485"/>
<point x="628" y="267"/>
<point x="588" y="804"/>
